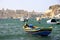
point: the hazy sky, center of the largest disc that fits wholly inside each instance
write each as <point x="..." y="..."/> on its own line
<point x="37" y="5"/>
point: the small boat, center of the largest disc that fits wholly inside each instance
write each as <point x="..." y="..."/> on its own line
<point x="53" y="21"/>
<point x="23" y="19"/>
<point x="38" y="19"/>
<point x="37" y="31"/>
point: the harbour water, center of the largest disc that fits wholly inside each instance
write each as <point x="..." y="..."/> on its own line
<point x="12" y="29"/>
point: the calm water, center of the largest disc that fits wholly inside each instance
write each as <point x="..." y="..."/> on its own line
<point x="12" y="29"/>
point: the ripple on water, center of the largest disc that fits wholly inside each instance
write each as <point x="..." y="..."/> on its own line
<point x="15" y="29"/>
<point x="56" y="37"/>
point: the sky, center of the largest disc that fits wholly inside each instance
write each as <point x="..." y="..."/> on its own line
<point x="37" y="5"/>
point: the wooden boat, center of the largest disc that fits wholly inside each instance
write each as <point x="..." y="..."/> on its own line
<point x="38" y="31"/>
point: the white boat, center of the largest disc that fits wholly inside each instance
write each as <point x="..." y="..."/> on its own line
<point x="38" y="19"/>
<point x="24" y="19"/>
<point x="51" y="21"/>
<point x="21" y="19"/>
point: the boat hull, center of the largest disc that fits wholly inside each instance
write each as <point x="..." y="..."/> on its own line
<point x="41" y="33"/>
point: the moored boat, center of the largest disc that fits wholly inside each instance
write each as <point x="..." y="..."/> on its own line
<point x="53" y="21"/>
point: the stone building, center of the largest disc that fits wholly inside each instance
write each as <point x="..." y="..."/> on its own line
<point x="53" y="11"/>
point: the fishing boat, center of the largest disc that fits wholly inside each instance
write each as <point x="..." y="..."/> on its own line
<point x="37" y="30"/>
